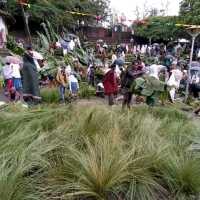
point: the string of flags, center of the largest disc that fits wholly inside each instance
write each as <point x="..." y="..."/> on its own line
<point x="97" y="17"/>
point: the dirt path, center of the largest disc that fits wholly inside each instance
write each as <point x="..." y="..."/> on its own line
<point x="101" y="101"/>
<point x="91" y="102"/>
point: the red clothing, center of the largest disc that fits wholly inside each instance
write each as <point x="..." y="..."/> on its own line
<point x="9" y="84"/>
<point x="110" y="83"/>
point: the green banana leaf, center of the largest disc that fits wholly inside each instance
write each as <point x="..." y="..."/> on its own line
<point x="154" y="84"/>
<point x="147" y="86"/>
<point x="147" y="92"/>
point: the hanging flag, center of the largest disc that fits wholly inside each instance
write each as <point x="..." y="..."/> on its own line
<point x="97" y="17"/>
<point x="79" y="13"/>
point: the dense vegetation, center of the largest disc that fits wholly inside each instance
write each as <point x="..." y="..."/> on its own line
<point x="98" y="153"/>
<point x="55" y="11"/>
<point x="158" y="28"/>
<point x="190" y="11"/>
<point x="164" y="27"/>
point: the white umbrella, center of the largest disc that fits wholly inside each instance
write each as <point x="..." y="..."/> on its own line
<point x="13" y="60"/>
<point x="37" y="56"/>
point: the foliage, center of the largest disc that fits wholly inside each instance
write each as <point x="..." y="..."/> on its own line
<point x="190" y="12"/>
<point x="86" y="91"/>
<point x="48" y="38"/>
<point x="56" y="11"/>
<point x="96" y="153"/>
<point x="13" y="46"/>
<point x="158" y="28"/>
<point x="50" y="95"/>
<point x="81" y="55"/>
<point x="149" y="87"/>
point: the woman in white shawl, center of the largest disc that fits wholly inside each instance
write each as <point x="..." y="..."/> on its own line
<point x="174" y="80"/>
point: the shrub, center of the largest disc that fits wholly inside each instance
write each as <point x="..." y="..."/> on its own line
<point x="86" y="91"/>
<point x="12" y="46"/>
<point x="50" y="95"/>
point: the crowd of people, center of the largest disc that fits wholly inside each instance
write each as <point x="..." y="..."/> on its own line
<point x="167" y="69"/>
<point x="119" y="76"/>
<point x="21" y="77"/>
<point x="22" y="82"/>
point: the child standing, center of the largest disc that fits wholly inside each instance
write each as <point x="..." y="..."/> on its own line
<point x="73" y="85"/>
<point x="62" y="81"/>
<point x="17" y="82"/>
<point x="7" y="75"/>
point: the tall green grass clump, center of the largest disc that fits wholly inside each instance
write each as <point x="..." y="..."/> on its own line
<point x="98" y="153"/>
<point x="86" y="91"/>
<point x="50" y="95"/>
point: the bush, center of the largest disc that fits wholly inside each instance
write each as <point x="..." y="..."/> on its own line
<point x="12" y="46"/>
<point x="86" y="91"/>
<point x="50" y="95"/>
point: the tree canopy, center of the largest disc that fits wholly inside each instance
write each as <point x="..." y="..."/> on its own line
<point x="157" y="28"/>
<point x="190" y="11"/>
<point x="55" y="11"/>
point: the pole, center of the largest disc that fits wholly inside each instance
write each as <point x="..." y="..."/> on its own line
<point x="27" y="30"/>
<point x="190" y="64"/>
<point x="150" y="41"/>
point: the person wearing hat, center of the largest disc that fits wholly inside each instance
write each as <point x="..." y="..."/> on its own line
<point x="110" y="84"/>
<point x="31" y="61"/>
<point x="61" y="78"/>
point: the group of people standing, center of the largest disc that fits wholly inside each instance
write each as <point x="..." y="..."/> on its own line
<point x="12" y="78"/>
<point x="21" y="77"/>
<point x="67" y="79"/>
<point x="113" y="83"/>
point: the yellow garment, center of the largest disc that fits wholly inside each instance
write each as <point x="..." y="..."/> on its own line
<point x="62" y="78"/>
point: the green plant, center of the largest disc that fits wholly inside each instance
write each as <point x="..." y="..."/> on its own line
<point x="81" y="152"/>
<point x="86" y="91"/>
<point x="13" y="46"/>
<point x="50" y="95"/>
